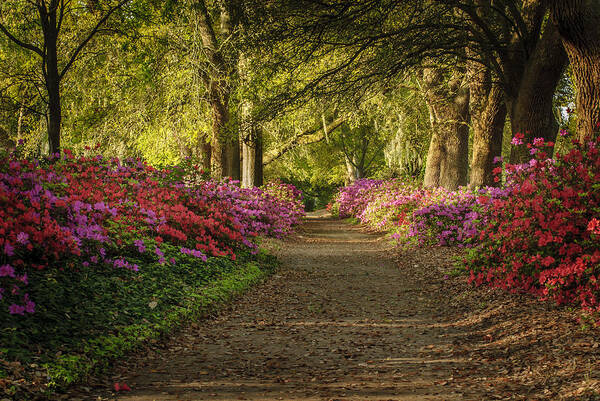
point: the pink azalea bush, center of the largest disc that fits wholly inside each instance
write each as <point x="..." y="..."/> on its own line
<point x="89" y="211"/>
<point x="543" y="238"/>
<point x="413" y="214"/>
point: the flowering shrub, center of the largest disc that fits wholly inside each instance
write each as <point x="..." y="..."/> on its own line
<point x="543" y="238"/>
<point x="413" y="214"/>
<point x="539" y="233"/>
<point x="70" y="213"/>
<point x="353" y="199"/>
<point x="455" y="218"/>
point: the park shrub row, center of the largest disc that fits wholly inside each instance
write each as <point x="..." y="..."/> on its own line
<point x="96" y="253"/>
<point x="538" y="233"/>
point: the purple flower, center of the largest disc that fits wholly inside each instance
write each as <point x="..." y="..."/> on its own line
<point x="23" y="238"/>
<point x="7" y="271"/>
<point x="30" y="307"/>
<point x="9" y="250"/>
<point x="140" y="245"/>
<point x="15" y="309"/>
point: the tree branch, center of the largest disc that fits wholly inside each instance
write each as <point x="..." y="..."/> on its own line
<point x="295" y="142"/>
<point x="24" y="45"/>
<point x="90" y="36"/>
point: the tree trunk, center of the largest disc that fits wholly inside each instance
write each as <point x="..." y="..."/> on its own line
<point x="206" y="157"/>
<point x="579" y="26"/>
<point x="351" y="171"/>
<point x="488" y="116"/>
<point x="220" y="118"/>
<point x="252" y="161"/>
<point x="224" y="159"/>
<point x="448" y="151"/>
<point x="435" y="155"/>
<point x="248" y="164"/>
<point x="232" y="158"/>
<point x="52" y="78"/>
<point x="252" y="172"/>
<point x="258" y="160"/>
<point x="231" y="138"/>
<point x="531" y="107"/>
<point x="20" y="122"/>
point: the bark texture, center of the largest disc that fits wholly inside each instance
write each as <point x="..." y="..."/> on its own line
<point x="488" y="116"/>
<point x="206" y="156"/>
<point x="52" y="76"/>
<point x="225" y="152"/>
<point x="448" y="101"/>
<point x="252" y="160"/>
<point x="531" y="108"/>
<point x="579" y="26"/>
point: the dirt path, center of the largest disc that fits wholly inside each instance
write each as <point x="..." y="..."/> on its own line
<point x="345" y="319"/>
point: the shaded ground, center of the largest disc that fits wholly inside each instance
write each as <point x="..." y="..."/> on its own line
<point x="349" y="318"/>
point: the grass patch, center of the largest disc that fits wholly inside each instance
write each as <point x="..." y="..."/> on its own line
<point x="351" y="220"/>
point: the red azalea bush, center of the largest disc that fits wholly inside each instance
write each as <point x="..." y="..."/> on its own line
<point x="86" y="211"/>
<point x="544" y="237"/>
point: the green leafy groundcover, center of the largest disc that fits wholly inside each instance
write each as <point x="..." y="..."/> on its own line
<point x="107" y="313"/>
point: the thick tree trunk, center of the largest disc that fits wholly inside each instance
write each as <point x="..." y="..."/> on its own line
<point x="448" y="152"/>
<point x="579" y="26"/>
<point x="455" y="168"/>
<point x="488" y="117"/>
<point x="531" y="107"/>
<point x="225" y="152"/>
<point x="258" y="160"/>
<point x="232" y="167"/>
<point x="232" y="159"/>
<point x="435" y="155"/>
<point x="352" y="173"/>
<point x="252" y="160"/>
<point x="248" y="163"/>
<point x="54" y="113"/>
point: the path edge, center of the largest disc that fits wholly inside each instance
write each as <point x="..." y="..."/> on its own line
<point x="71" y="369"/>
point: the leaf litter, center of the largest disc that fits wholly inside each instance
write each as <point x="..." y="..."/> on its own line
<point x="349" y="317"/>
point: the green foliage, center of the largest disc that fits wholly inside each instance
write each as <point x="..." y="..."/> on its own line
<point x="106" y="314"/>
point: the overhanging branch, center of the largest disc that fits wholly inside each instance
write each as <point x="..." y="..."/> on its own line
<point x="296" y="141"/>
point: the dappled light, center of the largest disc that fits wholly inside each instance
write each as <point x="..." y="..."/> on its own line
<point x="299" y="200"/>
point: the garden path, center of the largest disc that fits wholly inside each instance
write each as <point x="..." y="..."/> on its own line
<point x="347" y="318"/>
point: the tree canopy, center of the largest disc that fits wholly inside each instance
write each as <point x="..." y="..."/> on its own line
<point x="431" y="89"/>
